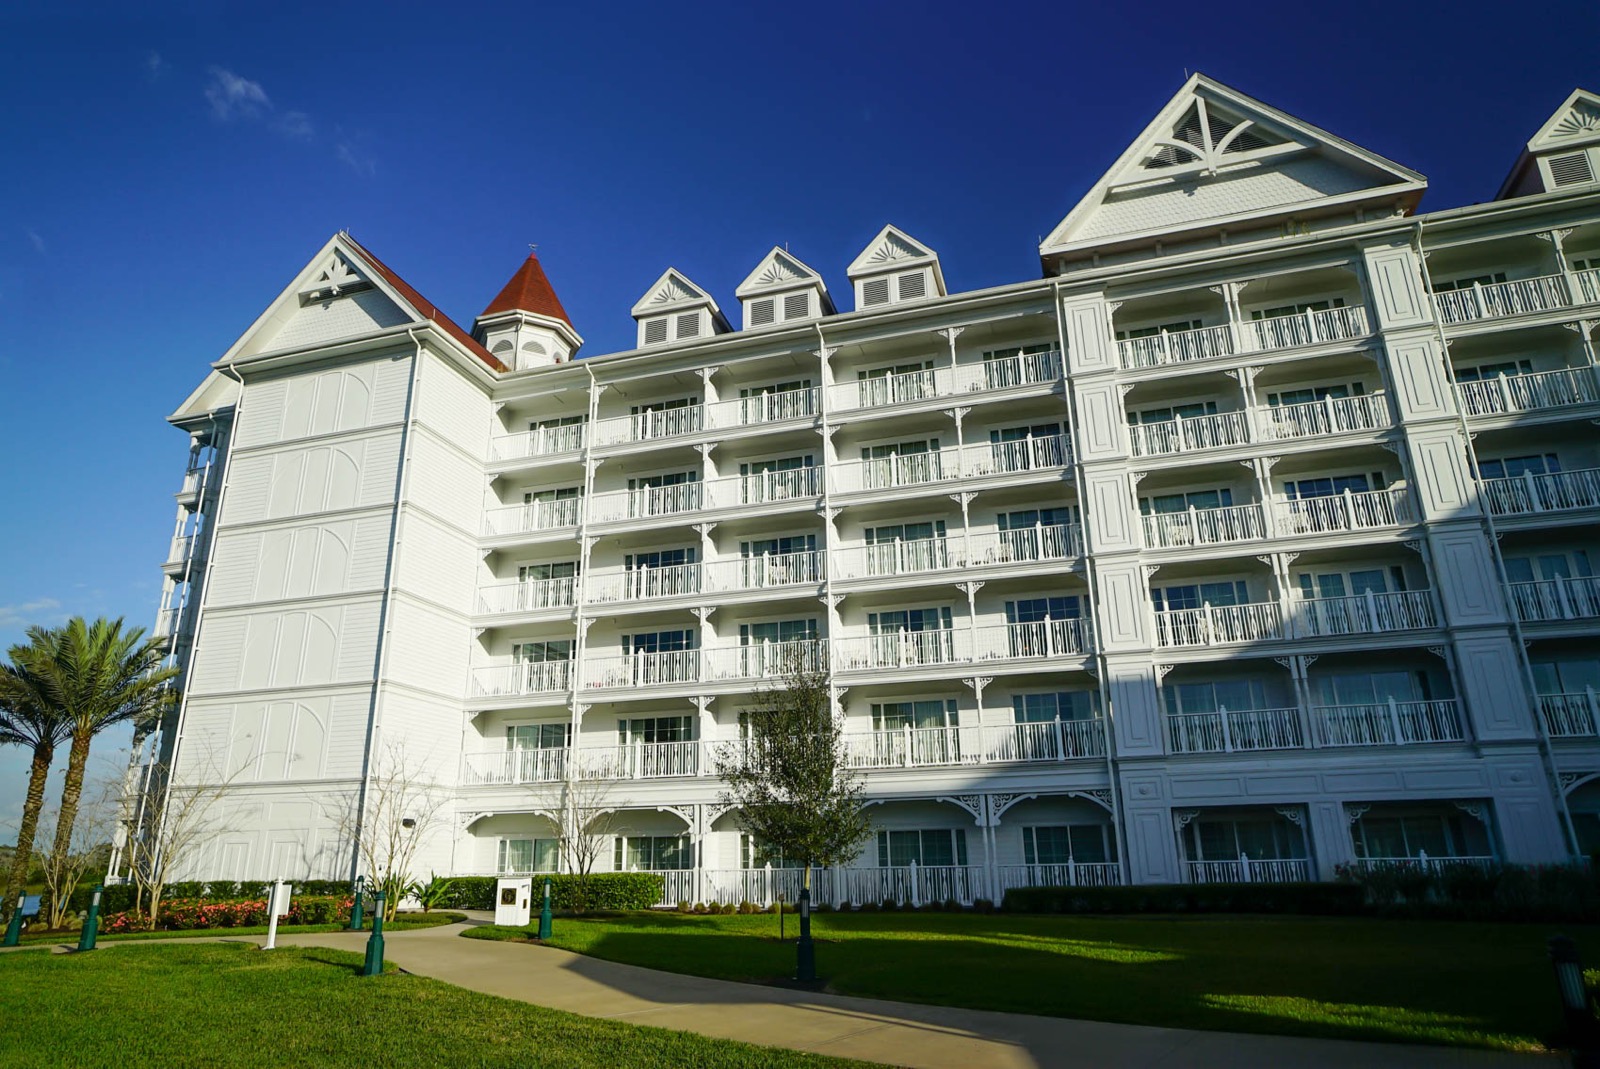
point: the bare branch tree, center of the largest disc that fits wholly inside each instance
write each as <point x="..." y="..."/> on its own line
<point x="404" y="807"/>
<point x="166" y="824"/>
<point x="588" y="818"/>
<point x="84" y="846"/>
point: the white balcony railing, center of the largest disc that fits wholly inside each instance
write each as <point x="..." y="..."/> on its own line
<point x="503" y="766"/>
<point x="1005" y="373"/>
<point x="1308" y="328"/>
<point x="1574" y="715"/>
<point x="1233" y="730"/>
<point x="905" y="557"/>
<point x="650" y="426"/>
<point x="1026" y="641"/>
<point x="1008" y="372"/>
<point x="1331" y="415"/>
<point x="167" y="622"/>
<point x="1175" y="347"/>
<point x="1423" y="863"/>
<point x="1026" y="544"/>
<point x="711" y="577"/>
<point x="1347" y="511"/>
<point x="1587" y="285"/>
<point x="528" y="596"/>
<point x="976" y="744"/>
<point x="192" y="478"/>
<point x="883" y="390"/>
<point x="1552" y="600"/>
<point x="910" y="469"/>
<point x="1500" y="299"/>
<point x="1201" y="527"/>
<point x="765" y="660"/>
<point x="1183" y="435"/>
<point x="736" y="491"/>
<point x="509" y="680"/>
<point x="538" y="442"/>
<point x="642" y="760"/>
<point x="1528" y="393"/>
<point x="618" y="671"/>
<point x="1361" y="614"/>
<point x="1528" y="494"/>
<point x="1212" y="625"/>
<point x="182" y="548"/>
<point x="612" y="506"/>
<point x="901" y="649"/>
<point x="1387" y="723"/>
<point x="1071" y="874"/>
<point x="1010" y="458"/>
<point x="1250" y="870"/>
<point x="764" y="408"/>
<point x="533" y="516"/>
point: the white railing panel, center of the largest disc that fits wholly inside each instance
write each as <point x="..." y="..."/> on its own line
<point x="538" y="442"/>
<point x="1308" y="328"/>
<point x="767" y="660"/>
<point x="641" y="760"/>
<point x="901" y="649"/>
<point x="612" y="506"/>
<point x="885" y="390"/>
<point x="650" y="426"/>
<point x="1429" y="864"/>
<point x="759" y="572"/>
<point x="1043" y="638"/>
<point x="899" y="558"/>
<point x="911" y="469"/>
<point x="1362" y="614"/>
<point x="1551" y="600"/>
<point x="1182" y="435"/>
<point x="1572" y="715"/>
<point x="1331" y="415"/>
<point x="1175" y="347"/>
<point x="764" y="408"/>
<point x="1231" y="730"/>
<point x="1500" y="299"/>
<point x="1347" y="511"/>
<point x="528" y="596"/>
<point x="672" y="668"/>
<point x="1214" y="624"/>
<point x="533" y="516"/>
<point x="1588" y="285"/>
<point x="1071" y="874"/>
<point x="1528" y="393"/>
<point x="1056" y="542"/>
<point x="1388" y="723"/>
<point x="1249" y="870"/>
<point x="1010" y="458"/>
<point x="1526" y="494"/>
<point x="1200" y="527"/>
<point x="1050" y="740"/>
<point x="1005" y="373"/>
<point x="535" y="677"/>
<point x="505" y="766"/>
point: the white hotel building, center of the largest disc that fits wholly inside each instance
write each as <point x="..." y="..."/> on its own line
<point x="1258" y="537"/>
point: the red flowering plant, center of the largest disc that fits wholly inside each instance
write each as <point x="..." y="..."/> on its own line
<point x="189" y="914"/>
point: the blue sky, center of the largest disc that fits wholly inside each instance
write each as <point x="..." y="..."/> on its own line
<point x="167" y="173"/>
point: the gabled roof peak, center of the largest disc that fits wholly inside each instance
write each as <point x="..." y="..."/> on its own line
<point x="528" y="291"/>
<point x="1575" y="122"/>
<point x="779" y="270"/>
<point x="673" y="291"/>
<point x="892" y="250"/>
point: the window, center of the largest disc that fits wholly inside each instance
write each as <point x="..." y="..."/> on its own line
<point x="897" y="716"/>
<point x="782" y="546"/>
<point x="1391" y="834"/>
<point x="533" y="573"/>
<point x="1299" y="308"/>
<point x="875" y="291"/>
<point x="1372" y="688"/>
<point x="754" y="854"/>
<point x="777" y="631"/>
<point x="763" y="312"/>
<point x="654" y="729"/>
<point x="1167" y="415"/>
<point x="1331" y="485"/>
<point x="1512" y="467"/>
<point x="659" y="642"/>
<point x="1221" y="497"/>
<point x="1305" y="394"/>
<point x="1482" y="372"/>
<point x="1566" y="676"/>
<point x="1037" y="610"/>
<point x="1160" y="328"/>
<point x="1342" y="584"/>
<point x="1258" y="838"/>
<point x="1085" y="844"/>
<point x="934" y="846"/>
<point x="1234" y="695"/>
<point x="660" y="558"/>
<point x="538" y="736"/>
<point x="528" y="855"/>
<point x="653" y="853"/>
<point x="540" y="652"/>
<point x="1196" y="595"/>
<point x="1548" y="566"/>
<point x="913" y="620"/>
<point x="1052" y="705"/>
<point x="1467" y="283"/>
<point x="655" y="331"/>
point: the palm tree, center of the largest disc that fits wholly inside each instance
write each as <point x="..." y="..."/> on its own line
<point x="95" y="676"/>
<point x="28" y="720"/>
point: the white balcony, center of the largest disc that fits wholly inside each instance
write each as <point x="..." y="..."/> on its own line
<point x="1013" y="458"/>
<point x="1235" y="730"/>
<point x="712" y="577"/>
<point x="1028" y="641"/>
<point x="1574" y="715"/>
<point x="900" y="558"/>
<point x="1528" y="494"/>
<point x="883" y="390"/>
<point x="538" y="442"/>
<point x="902" y="649"/>
<point x="192" y="478"/>
<point x="1027" y="544"/>
<point x="1008" y="372"/>
<point x="737" y="491"/>
<point x="887" y="473"/>
<point x="1388" y="723"/>
<point x="628" y="670"/>
<point x="1554" y="600"/>
<point x="503" y="766"/>
<point x="512" y="680"/>
<point x="183" y="548"/>
<point x="655" y="425"/>
<point x="1005" y="373"/>
<point x="1540" y="390"/>
<point x="1501" y="299"/>
<point x="1175" y="347"/>
<point x="722" y="664"/>
<point x="1424" y="863"/>
<point x="977" y="744"/>
<point x="1331" y="415"/>
<point x="1185" y="435"/>
<point x="1214" y="625"/>
<point x="1347" y="511"/>
<point x="764" y="408"/>
<point x="1361" y="614"/>
<point x="1071" y="874"/>
<point x="528" y="596"/>
<point x="1588" y="285"/>
<point x="643" y="760"/>
<point x="1307" y="328"/>
<point x="166" y="624"/>
<point x="1204" y="527"/>
<point x="1249" y="870"/>
<point x="533" y="516"/>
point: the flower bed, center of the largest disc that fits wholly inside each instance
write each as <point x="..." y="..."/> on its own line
<point x="188" y="914"/>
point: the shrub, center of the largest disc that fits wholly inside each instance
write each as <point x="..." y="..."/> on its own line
<point x="188" y="914"/>
<point x="747" y="907"/>
<point x="1302" y="898"/>
<point x="684" y="907"/>
<point x="619" y="891"/>
<point x="1547" y="893"/>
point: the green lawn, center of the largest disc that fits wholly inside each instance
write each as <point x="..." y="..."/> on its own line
<point x="404" y="922"/>
<point x="231" y="1006"/>
<point x="1481" y="985"/>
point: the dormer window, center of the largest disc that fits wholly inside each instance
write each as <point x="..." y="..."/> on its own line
<point x="781" y="289"/>
<point x="894" y="268"/>
<point x="763" y="313"/>
<point x="655" y="331"/>
<point x="797" y="306"/>
<point x="1572" y="169"/>
<point x="912" y="286"/>
<point x="875" y="291"/>
<point x="688" y="325"/>
<point x="675" y="309"/>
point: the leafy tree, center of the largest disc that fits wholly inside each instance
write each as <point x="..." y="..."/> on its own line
<point x="27" y="719"/>
<point x="789" y="776"/>
<point x="94" y="676"/>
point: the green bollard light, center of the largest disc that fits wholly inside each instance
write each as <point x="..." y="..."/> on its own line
<point x="91" y="923"/>
<point x="355" y="907"/>
<point x="544" y="912"/>
<point x="374" y="963"/>
<point x="14" y="929"/>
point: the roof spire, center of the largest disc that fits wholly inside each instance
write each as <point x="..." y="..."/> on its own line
<point x="528" y="291"/>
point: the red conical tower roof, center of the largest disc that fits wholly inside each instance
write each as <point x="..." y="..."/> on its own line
<point x="528" y="291"/>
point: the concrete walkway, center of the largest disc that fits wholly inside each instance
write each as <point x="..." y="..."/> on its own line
<point x="927" y="1037"/>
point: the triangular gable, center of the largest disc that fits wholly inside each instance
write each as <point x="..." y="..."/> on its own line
<point x="217" y="391"/>
<point x="1214" y="158"/>
<point x="892" y="250"/>
<point x="673" y="291"/>
<point x="1575" y="123"/>
<point x="779" y="271"/>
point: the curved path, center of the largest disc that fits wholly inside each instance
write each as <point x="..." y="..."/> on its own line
<point x="897" y="1033"/>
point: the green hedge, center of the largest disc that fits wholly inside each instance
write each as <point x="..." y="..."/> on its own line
<point x="1557" y="893"/>
<point x="568" y="893"/>
<point x="1308" y="898"/>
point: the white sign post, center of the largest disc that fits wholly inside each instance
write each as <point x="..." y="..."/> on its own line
<point x="277" y="905"/>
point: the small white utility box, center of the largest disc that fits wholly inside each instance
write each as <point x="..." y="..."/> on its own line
<point x="280" y="894"/>
<point x="513" y="901"/>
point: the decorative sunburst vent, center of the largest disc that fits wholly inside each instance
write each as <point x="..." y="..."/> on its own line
<point x="1204" y="136"/>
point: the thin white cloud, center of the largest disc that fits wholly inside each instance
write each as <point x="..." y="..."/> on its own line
<point x="356" y="160"/>
<point x="155" y="66"/>
<point x="36" y="241"/>
<point x="46" y="611"/>
<point x="234" y="97"/>
<point x="295" y="125"/>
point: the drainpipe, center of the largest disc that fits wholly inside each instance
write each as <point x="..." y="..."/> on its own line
<point x="1546" y="750"/>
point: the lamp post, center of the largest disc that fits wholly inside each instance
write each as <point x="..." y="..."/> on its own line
<point x="374" y="963"/>
<point x="14" y="929"/>
<point x="355" y="906"/>
<point x="544" y="912"/>
<point x="91" y="923"/>
<point x="1576" y="1011"/>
